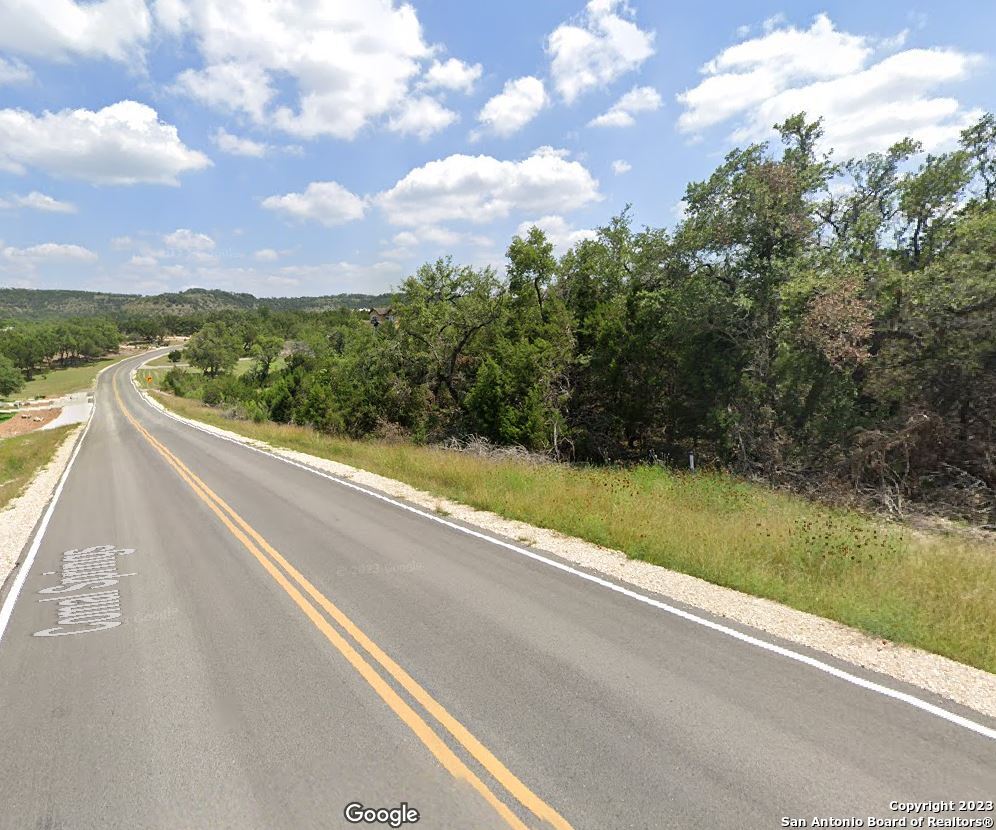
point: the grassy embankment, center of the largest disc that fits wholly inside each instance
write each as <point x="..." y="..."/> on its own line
<point x="23" y="455"/>
<point x="57" y="382"/>
<point x="937" y="592"/>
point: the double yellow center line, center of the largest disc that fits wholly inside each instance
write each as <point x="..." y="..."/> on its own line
<point x="312" y="602"/>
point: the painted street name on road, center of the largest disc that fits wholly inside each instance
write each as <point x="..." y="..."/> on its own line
<point x="87" y="569"/>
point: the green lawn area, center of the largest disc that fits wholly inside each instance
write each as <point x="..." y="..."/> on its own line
<point x="58" y="382"/>
<point x="162" y="360"/>
<point x="161" y="365"/>
<point x="937" y="592"/>
<point x="23" y="455"/>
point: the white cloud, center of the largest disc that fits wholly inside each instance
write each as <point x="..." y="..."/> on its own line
<point x="436" y="235"/>
<point x="452" y="74"/>
<point x="620" y="114"/>
<point x="237" y="145"/>
<point x="49" y="252"/>
<point x="327" y="202"/>
<point x="229" y="87"/>
<point x="42" y="202"/>
<point x="59" y="29"/>
<point x="124" y="143"/>
<point x="481" y="188"/>
<point x="405" y="239"/>
<point x="346" y="63"/>
<point x="266" y="255"/>
<point x="597" y="49"/>
<point x="143" y="261"/>
<point x="620" y="166"/>
<point x="558" y="232"/>
<point x="748" y="72"/>
<point x="422" y="116"/>
<point x="514" y="107"/>
<point x="14" y="72"/>
<point x="171" y="15"/>
<point x="867" y="105"/>
<point x="187" y="241"/>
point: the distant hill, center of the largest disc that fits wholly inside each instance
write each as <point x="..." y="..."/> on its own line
<point x="37" y="304"/>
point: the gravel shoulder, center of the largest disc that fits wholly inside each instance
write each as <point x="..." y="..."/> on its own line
<point x="965" y="685"/>
<point x="18" y="519"/>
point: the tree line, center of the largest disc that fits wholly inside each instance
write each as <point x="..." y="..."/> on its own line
<point x="809" y="321"/>
<point x="28" y="348"/>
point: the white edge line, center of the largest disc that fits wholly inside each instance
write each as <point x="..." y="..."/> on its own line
<point x="29" y="560"/>
<point x="854" y="679"/>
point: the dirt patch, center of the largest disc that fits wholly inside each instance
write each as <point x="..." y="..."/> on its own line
<point x="28" y="420"/>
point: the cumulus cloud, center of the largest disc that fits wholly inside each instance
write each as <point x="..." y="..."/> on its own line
<point x="558" y="232"/>
<point x="236" y="145"/>
<point x="620" y="114"/>
<point x="421" y="116"/>
<point x="326" y="202"/>
<point x="452" y="74"/>
<point x="620" y="166"/>
<point x="601" y="46"/>
<point x="43" y="202"/>
<point x="49" y="252"/>
<point x="869" y="100"/>
<point x="187" y="241"/>
<point x="230" y="87"/>
<point x="266" y="255"/>
<point x="124" y="143"/>
<point x="14" y="72"/>
<point x="59" y="29"/>
<point x="514" y="107"/>
<point x="406" y="242"/>
<point x="347" y="63"/>
<point x="480" y="189"/>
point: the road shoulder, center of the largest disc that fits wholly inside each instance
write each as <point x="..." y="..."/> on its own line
<point x="19" y="518"/>
<point x="964" y="685"/>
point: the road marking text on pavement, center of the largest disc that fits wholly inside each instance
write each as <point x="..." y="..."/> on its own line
<point x="86" y="569"/>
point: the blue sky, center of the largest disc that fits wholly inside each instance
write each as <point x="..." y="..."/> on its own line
<point x="324" y="146"/>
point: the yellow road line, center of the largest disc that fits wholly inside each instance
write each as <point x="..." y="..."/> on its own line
<point x="250" y="538"/>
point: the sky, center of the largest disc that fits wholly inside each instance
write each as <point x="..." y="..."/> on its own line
<point x="304" y="147"/>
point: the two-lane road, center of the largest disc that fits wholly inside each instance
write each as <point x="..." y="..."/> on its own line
<point x="210" y="637"/>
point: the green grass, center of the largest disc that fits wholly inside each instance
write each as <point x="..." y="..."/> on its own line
<point x="58" y="382"/>
<point x="937" y="592"/>
<point x="162" y="360"/>
<point x="23" y="455"/>
<point x="158" y="367"/>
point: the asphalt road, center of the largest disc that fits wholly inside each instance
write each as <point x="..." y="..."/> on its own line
<point x="278" y="646"/>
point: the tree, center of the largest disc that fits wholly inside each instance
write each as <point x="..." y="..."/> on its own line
<point x="214" y="349"/>
<point x="11" y="379"/>
<point x="264" y="351"/>
<point x="979" y="141"/>
<point x="175" y="356"/>
<point x="445" y="309"/>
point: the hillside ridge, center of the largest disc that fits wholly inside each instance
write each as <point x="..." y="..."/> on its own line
<point x="40" y="303"/>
